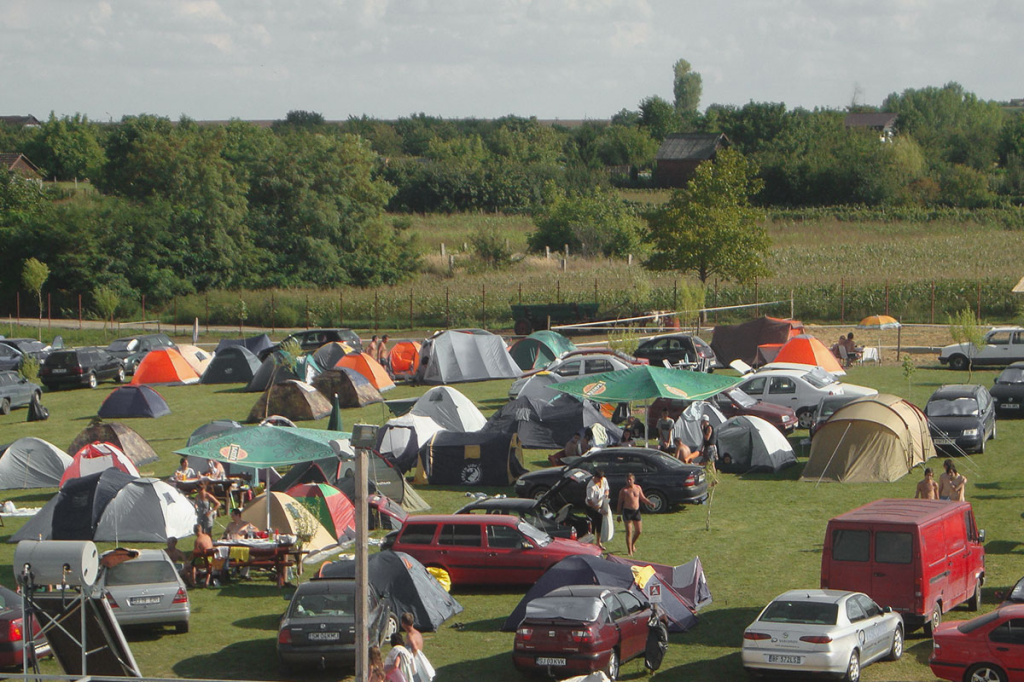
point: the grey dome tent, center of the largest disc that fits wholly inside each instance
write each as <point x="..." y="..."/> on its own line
<point x="471" y="459"/>
<point x="292" y="399"/>
<point x="406" y="584"/>
<point x="549" y="424"/>
<point x="687" y="425"/>
<point x="253" y="344"/>
<point x="753" y="444"/>
<point x="351" y="387"/>
<point x="277" y="367"/>
<point x="452" y="357"/>
<point x="400" y="439"/>
<point x="130" y="401"/>
<point x="233" y="365"/>
<point x="450" y="409"/>
<point x="327" y="355"/>
<point x="127" y="439"/>
<point x="32" y="463"/>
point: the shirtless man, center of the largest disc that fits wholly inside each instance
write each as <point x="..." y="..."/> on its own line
<point x="200" y="559"/>
<point x="683" y="453"/>
<point x="571" y="449"/>
<point x="237" y="528"/>
<point x="413" y="638"/>
<point x="927" y="489"/>
<point x="628" y="509"/>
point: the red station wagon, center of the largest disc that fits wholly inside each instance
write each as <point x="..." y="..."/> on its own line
<point x="989" y="648"/>
<point x="483" y="550"/>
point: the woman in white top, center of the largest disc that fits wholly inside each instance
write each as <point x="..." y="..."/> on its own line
<point x="597" y="503"/>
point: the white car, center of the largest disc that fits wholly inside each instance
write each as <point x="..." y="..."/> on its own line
<point x="822" y="631"/>
<point x="575" y="366"/>
<point x="799" y="389"/>
<point x="1002" y="345"/>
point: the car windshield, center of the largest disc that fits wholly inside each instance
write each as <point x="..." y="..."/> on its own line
<point x="819" y="378"/>
<point x="141" y="573"/>
<point x="972" y="625"/>
<point x="957" y="407"/>
<point x="807" y="612"/>
<point x="740" y="398"/>
<point x="1011" y="375"/>
<point x="312" y="605"/>
<point x="536" y="534"/>
<point x="666" y="461"/>
<point x="582" y="609"/>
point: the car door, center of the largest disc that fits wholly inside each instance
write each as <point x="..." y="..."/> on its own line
<point x="996" y="350"/>
<point x="461" y="547"/>
<point x="1006" y="644"/>
<point x="754" y="387"/>
<point x="877" y="633"/>
<point x="782" y="390"/>
<point x="513" y="557"/>
<point x="859" y="621"/>
<point x="634" y="623"/>
<point x="597" y="366"/>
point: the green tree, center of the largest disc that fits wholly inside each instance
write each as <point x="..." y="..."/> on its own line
<point x="593" y="223"/>
<point x="710" y="228"/>
<point x="33" y="276"/>
<point x="299" y="118"/>
<point x="686" y="86"/>
<point x="659" y="118"/>
<point x="67" y="148"/>
<point x="106" y="300"/>
<point x="627" y="146"/>
<point x="964" y="330"/>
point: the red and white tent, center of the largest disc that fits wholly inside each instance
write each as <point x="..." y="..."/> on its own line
<point x="96" y="457"/>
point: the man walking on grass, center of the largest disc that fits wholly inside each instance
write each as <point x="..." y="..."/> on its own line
<point x="630" y="498"/>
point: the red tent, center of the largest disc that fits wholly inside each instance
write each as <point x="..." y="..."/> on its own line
<point x="330" y="506"/>
<point x="96" y="457"/>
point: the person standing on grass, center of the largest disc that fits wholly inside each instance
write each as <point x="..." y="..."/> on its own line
<point x="422" y="670"/>
<point x="664" y="428"/>
<point x="927" y="489"/>
<point x="200" y="556"/>
<point x="398" y="664"/>
<point x="207" y="505"/>
<point x="381" y="355"/>
<point x="951" y="483"/>
<point x="597" y="500"/>
<point x="628" y="509"/>
<point x="371" y="348"/>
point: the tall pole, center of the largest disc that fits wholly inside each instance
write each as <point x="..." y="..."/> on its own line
<point x="362" y="577"/>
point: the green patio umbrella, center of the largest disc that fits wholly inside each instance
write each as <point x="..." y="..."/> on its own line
<point x="334" y="423"/>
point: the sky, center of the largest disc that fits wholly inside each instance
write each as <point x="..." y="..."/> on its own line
<point x="553" y="59"/>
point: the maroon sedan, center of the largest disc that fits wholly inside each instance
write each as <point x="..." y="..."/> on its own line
<point x="989" y="648"/>
<point x="12" y="631"/>
<point x="577" y="629"/>
<point x="732" y="403"/>
<point x="490" y="549"/>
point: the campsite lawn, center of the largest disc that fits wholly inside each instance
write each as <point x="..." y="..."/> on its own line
<point x="765" y="537"/>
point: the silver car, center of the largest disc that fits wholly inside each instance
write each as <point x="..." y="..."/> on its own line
<point x="146" y="590"/>
<point x="822" y="631"/>
<point x="573" y="366"/>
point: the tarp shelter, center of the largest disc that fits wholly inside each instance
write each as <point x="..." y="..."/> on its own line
<point x="407" y="585"/>
<point x="454" y="357"/>
<point x="216" y="428"/>
<point x="805" y="349"/>
<point x="539" y="349"/>
<point x="740" y="341"/>
<point x="400" y="439"/>
<point x="127" y="439"/>
<point x="261" y="447"/>
<point x="644" y="382"/>
<point x="875" y="438"/>
<point x="295" y="400"/>
<point x="471" y="459"/>
<point x="164" y="366"/>
<point x="133" y="402"/>
<point x="687" y="425"/>
<point x="351" y="387"/>
<point x="549" y="424"/>
<point x="591" y="570"/>
<point x="112" y="506"/>
<point x="233" y="365"/>
<point x="404" y="357"/>
<point x="254" y="344"/>
<point x="450" y="409"/>
<point x="32" y="463"/>
<point x="288" y="516"/>
<point x="277" y="367"/>
<point x="197" y="358"/>
<point x="96" y="457"/>
<point x="328" y="354"/>
<point x="753" y="444"/>
<point x="369" y="368"/>
<point x="688" y="579"/>
<point x="330" y="506"/>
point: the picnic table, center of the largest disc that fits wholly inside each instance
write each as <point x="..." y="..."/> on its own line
<point x="277" y="555"/>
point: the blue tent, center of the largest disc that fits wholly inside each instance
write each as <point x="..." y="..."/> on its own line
<point x="253" y="344"/>
<point x="133" y="401"/>
<point x="592" y="570"/>
<point x="231" y="365"/>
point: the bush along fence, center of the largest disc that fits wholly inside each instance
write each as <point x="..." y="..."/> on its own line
<point x="472" y="304"/>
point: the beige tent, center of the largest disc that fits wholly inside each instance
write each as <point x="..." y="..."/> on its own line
<point x="876" y="438"/>
<point x="197" y="358"/>
<point x="288" y="517"/>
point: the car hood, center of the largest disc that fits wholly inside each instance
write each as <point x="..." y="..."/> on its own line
<point x="563" y="546"/>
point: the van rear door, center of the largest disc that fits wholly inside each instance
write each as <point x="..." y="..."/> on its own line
<point x="893" y="568"/>
<point x="847" y="567"/>
<point x="956" y="548"/>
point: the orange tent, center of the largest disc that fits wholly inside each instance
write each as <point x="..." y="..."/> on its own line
<point x="404" y="357"/>
<point x="369" y="368"/>
<point x="164" y="366"/>
<point x="807" y="350"/>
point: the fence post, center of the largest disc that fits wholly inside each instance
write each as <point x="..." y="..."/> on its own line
<point x="307" y="311"/>
<point x="933" y="302"/>
<point x="887" y="297"/>
<point x="520" y="293"/>
<point x="341" y="307"/>
<point x="49" y="307"/>
<point x="979" y="301"/>
<point x="174" y="319"/>
<point x="757" y="298"/>
<point x="547" y="253"/>
<point x="558" y="291"/>
<point x="410" y="309"/>
<point x="143" y="311"/>
<point x="447" y="311"/>
<point x="483" y="304"/>
<point x="675" y="295"/>
<point x="273" y="325"/>
<point x="17" y="296"/>
<point x="715" y="304"/>
<point x="565" y="263"/>
<point x="207" y="313"/>
<point x="442" y="250"/>
<point x="79" y="311"/>
<point x="842" y="300"/>
<point x="376" y="310"/>
<point x="566" y="252"/>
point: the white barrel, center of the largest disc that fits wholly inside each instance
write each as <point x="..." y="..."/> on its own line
<point x="46" y="560"/>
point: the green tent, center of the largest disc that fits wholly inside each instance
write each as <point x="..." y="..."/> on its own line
<point x="260" y="447"/>
<point x="539" y="348"/>
<point x="645" y="382"/>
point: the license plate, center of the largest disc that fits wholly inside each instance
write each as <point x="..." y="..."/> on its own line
<point x="143" y="601"/>
<point x="59" y="370"/>
<point x="550" y="661"/>
<point x="788" y="660"/>
<point x="324" y="636"/>
<point x="1011" y="406"/>
<point x="943" y="441"/>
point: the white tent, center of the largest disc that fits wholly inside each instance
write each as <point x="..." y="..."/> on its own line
<point x="687" y="426"/>
<point x="400" y="439"/>
<point x="451" y="357"/>
<point x="146" y="510"/>
<point x="450" y="409"/>
<point x="32" y="463"/>
<point x="753" y="444"/>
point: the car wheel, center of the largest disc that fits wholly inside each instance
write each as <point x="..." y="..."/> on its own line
<point x="181" y="627"/>
<point x="994" y="427"/>
<point x="933" y="621"/>
<point x="389" y="629"/>
<point x="612" y="669"/>
<point x="92" y="380"/>
<point x="805" y="418"/>
<point x="119" y="377"/>
<point x="981" y="448"/>
<point x="984" y="672"/>
<point x="853" y="668"/>
<point x="896" y="652"/>
<point x="37" y="396"/>
<point x="5" y="406"/>
<point x="958" y="362"/>
<point x="974" y="603"/>
<point x="659" y="502"/>
<point x="539" y="491"/>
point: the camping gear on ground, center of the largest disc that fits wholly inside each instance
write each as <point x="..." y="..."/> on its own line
<point x="36" y="411"/>
<point x="254" y="344"/>
<point x="197" y="358"/>
<point x="32" y="463"/>
<point x="471" y="459"/>
<point x="591" y="570"/>
<point x="112" y="506"/>
<point x="291" y="399"/>
<point x="164" y="366"/>
<point x="369" y="368"/>
<point x="233" y="365"/>
<point x="404" y="359"/>
<point x="124" y="437"/>
<point x="407" y="585"/>
<point x="687" y="427"/>
<point x="452" y="357"/>
<point x="288" y="517"/>
<point x="330" y="506"/>
<point x="539" y="349"/>
<point x="875" y="438"/>
<point x="752" y="444"/>
<point x="740" y="341"/>
<point x="550" y="424"/>
<point x="133" y="402"/>
<point x="351" y="387"/>
<point x="450" y="409"/>
<point x="805" y="349"/>
<point x="96" y="457"/>
<point x="328" y="354"/>
<point x="401" y="438"/>
<point x="277" y="367"/>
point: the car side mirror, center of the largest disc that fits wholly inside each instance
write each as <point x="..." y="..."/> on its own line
<point x="525" y="544"/>
<point x="886" y="609"/>
<point x="981" y="536"/>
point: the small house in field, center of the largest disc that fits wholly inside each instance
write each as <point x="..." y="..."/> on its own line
<point x="882" y="123"/>
<point x="681" y="153"/>
<point x="18" y="163"/>
<point x="29" y="121"/>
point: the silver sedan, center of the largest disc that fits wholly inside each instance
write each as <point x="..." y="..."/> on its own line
<point x="146" y="590"/>
<point x="822" y="631"/>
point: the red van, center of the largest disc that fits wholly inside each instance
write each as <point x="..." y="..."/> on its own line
<point x="921" y="557"/>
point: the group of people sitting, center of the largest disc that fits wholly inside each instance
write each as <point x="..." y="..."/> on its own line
<point x="198" y="564"/>
<point x="845" y="349"/>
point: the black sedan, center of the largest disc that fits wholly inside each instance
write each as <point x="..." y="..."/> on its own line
<point x="12" y="631"/>
<point x="319" y="627"/>
<point x="1008" y="391"/>
<point x="16" y="391"/>
<point x="961" y="417"/>
<point x="666" y="481"/>
<point x="81" y="367"/>
<point x="557" y="521"/>
<point x="678" y="349"/>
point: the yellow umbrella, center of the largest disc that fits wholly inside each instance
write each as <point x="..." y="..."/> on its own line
<point x="879" y="322"/>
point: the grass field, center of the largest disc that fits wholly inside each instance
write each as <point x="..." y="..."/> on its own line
<point x="765" y="537"/>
